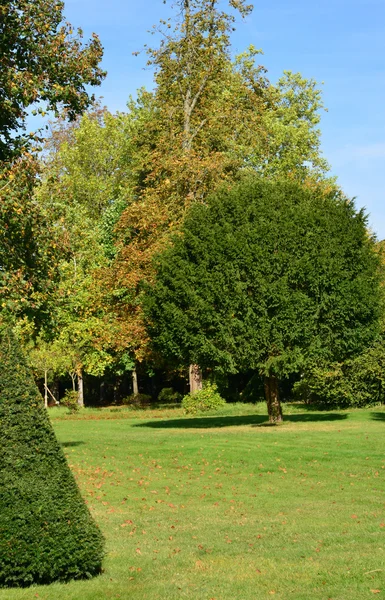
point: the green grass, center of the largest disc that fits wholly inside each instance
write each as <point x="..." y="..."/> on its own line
<point x="226" y="507"/>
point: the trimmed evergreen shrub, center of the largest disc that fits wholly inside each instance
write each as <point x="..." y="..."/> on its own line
<point x="46" y="531"/>
<point x="204" y="400"/>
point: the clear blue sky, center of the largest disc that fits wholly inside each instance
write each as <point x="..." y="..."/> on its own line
<point x="338" y="42"/>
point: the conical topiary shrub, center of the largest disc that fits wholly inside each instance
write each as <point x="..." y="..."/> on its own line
<point x="46" y="531"/>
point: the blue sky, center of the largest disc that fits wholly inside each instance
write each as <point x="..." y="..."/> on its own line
<point x="338" y="42"/>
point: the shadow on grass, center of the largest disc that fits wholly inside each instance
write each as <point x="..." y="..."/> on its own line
<point x="253" y="420"/>
<point x="377" y="416"/>
<point x="71" y="444"/>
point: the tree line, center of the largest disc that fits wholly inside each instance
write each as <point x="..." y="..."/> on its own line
<point x="198" y="231"/>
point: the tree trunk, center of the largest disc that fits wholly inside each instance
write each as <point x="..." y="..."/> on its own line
<point x="272" y="399"/>
<point x="80" y="388"/>
<point x="195" y="377"/>
<point x="45" y="389"/>
<point x="135" y="388"/>
<point x="73" y="377"/>
<point x="102" y="391"/>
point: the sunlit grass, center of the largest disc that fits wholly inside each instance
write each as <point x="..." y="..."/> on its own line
<point x="227" y="507"/>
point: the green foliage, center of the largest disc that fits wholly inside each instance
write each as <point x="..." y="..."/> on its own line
<point x="85" y="184"/>
<point x="88" y="162"/>
<point x="137" y="400"/>
<point x="294" y="139"/>
<point x="42" y="61"/>
<point x="209" y="119"/>
<point x="47" y="533"/>
<point x="204" y="400"/>
<point x="266" y="276"/>
<point x="45" y="357"/>
<point x="325" y="385"/>
<point x="168" y="395"/>
<point x="28" y="243"/>
<point x="356" y="382"/>
<point x="71" y="401"/>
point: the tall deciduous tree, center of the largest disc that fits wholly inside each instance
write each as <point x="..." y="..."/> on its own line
<point x="210" y="119"/>
<point x="86" y="181"/>
<point x="267" y="276"/>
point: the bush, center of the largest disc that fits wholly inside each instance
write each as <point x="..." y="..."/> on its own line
<point x="137" y="400"/>
<point x="206" y="399"/>
<point x="46" y="531"/>
<point x="168" y="395"/>
<point x="71" y="401"/>
<point x="356" y="382"/>
<point x="324" y="385"/>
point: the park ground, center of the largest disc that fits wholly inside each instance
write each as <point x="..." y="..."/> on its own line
<point x="226" y="507"/>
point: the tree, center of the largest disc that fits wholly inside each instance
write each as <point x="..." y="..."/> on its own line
<point x="85" y="183"/>
<point x="47" y="532"/>
<point x="210" y="119"/>
<point x="41" y="61"/>
<point x="267" y="276"/>
<point x="46" y="360"/>
<point x="29" y="245"/>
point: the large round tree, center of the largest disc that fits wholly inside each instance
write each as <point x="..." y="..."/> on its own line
<point x="267" y="276"/>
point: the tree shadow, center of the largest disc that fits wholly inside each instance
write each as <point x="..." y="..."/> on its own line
<point x="377" y="416"/>
<point x="71" y="444"/>
<point x="253" y="420"/>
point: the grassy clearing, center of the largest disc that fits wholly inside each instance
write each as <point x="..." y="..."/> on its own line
<point x="225" y="507"/>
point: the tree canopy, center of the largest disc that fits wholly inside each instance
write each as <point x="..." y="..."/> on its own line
<point x="210" y="118"/>
<point x="267" y="276"/>
<point x="41" y="61"/>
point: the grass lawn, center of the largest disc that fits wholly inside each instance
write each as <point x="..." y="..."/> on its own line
<point x="228" y="508"/>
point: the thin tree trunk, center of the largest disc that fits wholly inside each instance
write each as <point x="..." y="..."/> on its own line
<point x="102" y="388"/>
<point x="195" y="377"/>
<point x="272" y="399"/>
<point x="116" y="388"/>
<point x="80" y="388"/>
<point x="135" y="387"/>
<point x="45" y="389"/>
<point x="73" y="377"/>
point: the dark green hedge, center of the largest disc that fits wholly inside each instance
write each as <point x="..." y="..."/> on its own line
<point x="46" y="531"/>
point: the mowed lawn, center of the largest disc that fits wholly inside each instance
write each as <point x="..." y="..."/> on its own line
<point x="228" y="508"/>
